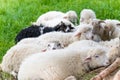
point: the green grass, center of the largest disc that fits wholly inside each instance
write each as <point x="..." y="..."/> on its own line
<point x="17" y="14"/>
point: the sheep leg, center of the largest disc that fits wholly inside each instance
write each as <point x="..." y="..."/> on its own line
<point x="108" y="70"/>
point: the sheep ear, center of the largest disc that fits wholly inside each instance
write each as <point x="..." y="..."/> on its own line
<point x="87" y="59"/>
<point x="107" y="27"/>
<point x="101" y="21"/>
<point x="118" y="24"/>
<point x="62" y="22"/>
<point x="78" y="34"/>
<point x="44" y="50"/>
<point x="81" y="20"/>
<point x="65" y="17"/>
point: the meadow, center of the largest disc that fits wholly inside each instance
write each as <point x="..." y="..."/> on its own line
<point x="18" y="14"/>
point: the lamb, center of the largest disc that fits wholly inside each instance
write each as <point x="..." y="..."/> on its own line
<point x="70" y="16"/>
<point x="35" y="31"/>
<point x="65" y="38"/>
<point x="86" y="16"/>
<point x="14" y="56"/>
<point x="59" y="64"/>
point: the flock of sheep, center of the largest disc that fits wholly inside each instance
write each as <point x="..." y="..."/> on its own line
<point x="55" y="47"/>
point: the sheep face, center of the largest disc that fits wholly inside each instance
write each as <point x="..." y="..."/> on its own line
<point x="90" y="36"/>
<point x="63" y="27"/>
<point x="86" y="16"/>
<point x="85" y="32"/>
<point x="97" y="58"/>
<point x="71" y="16"/>
<point x="100" y="28"/>
<point x="97" y="27"/>
<point x="54" y="45"/>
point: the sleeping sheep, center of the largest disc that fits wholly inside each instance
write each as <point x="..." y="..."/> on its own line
<point x="59" y="64"/>
<point x="113" y="47"/>
<point x="35" y="31"/>
<point x="14" y="56"/>
<point x="70" y="16"/>
<point x="65" y="38"/>
<point x="86" y="16"/>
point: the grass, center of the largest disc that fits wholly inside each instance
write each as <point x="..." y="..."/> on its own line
<point x="18" y="14"/>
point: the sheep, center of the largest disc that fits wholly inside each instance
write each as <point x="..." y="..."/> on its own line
<point x="99" y="28"/>
<point x="113" y="21"/>
<point x="14" y="56"/>
<point x="59" y="64"/>
<point x="48" y="16"/>
<point x="102" y="75"/>
<point x="53" y="45"/>
<point x="70" y="16"/>
<point x="113" y="47"/>
<point x="84" y="32"/>
<point x="114" y="31"/>
<point x="35" y="31"/>
<point x="86" y="16"/>
<point x="65" y="38"/>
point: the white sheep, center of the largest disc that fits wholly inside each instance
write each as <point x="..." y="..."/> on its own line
<point x="86" y="16"/>
<point x="14" y="56"/>
<point x="70" y="15"/>
<point x="48" y="16"/>
<point x="59" y="64"/>
<point x="113" y="47"/>
<point x="113" y="21"/>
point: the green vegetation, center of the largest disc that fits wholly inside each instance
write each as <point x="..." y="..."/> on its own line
<point x="18" y="14"/>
